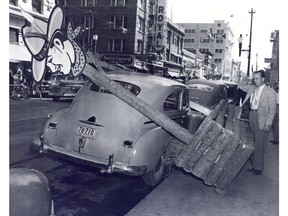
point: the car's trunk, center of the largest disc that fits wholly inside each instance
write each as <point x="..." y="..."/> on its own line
<point x="108" y="120"/>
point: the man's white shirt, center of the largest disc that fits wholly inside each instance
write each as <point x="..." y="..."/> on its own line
<point x="255" y="97"/>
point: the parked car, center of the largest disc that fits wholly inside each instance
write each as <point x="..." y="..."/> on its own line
<point x="104" y="131"/>
<point x="30" y="194"/>
<point x="207" y="93"/>
<point x="61" y="86"/>
<point x="232" y="88"/>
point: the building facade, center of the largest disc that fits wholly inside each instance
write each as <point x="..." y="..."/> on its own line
<point x="133" y="33"/>
<point x="115" y="29"/>
<point x="273" y="71"/>
<point x="173" y="50"/>
<point x="19" y="57"/>
<point x="214" y="39"/>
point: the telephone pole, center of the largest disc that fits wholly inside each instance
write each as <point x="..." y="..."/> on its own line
<point x="250" y="39"/>
<point x="256" y="61"/>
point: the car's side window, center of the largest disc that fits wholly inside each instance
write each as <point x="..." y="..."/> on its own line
<point x="172" y="101"/>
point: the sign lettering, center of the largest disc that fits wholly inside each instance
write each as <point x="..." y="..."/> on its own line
<point x="160" y="25"/>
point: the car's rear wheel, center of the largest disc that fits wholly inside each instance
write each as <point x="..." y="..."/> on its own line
<point x="56" y="98"/>
<point x="153" y="178"/>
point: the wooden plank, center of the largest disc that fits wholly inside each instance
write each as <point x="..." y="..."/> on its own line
<point x="208" y="140"/>
<point x="200" y="108"/>
<point x="99" y="77"/>
<point x="207" y="161"/>
<point x="230" y="117"/>
<point x="184" y="155"/>
<point x="237" y="161"/>
<point x="216" y="110"/>
<point x="238" y="111"/>
<point x="220" y="119"/>
<point x="222" y="162"/>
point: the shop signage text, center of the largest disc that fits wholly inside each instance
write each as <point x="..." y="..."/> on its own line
<point x="120" y="59"/>
<point x="160" y="25"/>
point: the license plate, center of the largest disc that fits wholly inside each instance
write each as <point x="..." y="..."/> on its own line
<point x="86" y="132"/>
<point x="69" y="94"/>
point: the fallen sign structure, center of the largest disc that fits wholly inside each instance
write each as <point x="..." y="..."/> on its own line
<point x="221" y="146"/>
<point x="215" y="153"/>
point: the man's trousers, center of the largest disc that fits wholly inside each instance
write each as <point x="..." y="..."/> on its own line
<point x="260" y="142"/>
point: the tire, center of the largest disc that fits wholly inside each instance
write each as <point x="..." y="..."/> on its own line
<point x="154" y="178"/>
<point x="56" y="98"/>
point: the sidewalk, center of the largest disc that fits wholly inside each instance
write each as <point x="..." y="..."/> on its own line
<point x="182" y="194"/>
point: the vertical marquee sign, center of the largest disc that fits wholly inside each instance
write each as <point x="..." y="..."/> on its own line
<point x="160" y="24"/>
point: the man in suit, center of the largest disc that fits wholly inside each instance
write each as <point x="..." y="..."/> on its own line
<point x="263" y="108"/>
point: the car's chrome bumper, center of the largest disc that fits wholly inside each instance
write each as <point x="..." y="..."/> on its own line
<point x="103" y="165"/>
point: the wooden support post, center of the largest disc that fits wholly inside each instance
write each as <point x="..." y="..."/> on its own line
<point x="217" y="109"/>
<point x="184" y="155"/>
<point x="230" y="117"/>
<point x="237" y="161"/>
<point x="208" y="160"/>
<point x="222" y="162"/>
<point x="99" y="77"/>
<point x="220" y="119"/>
<point x="208" y="140"/>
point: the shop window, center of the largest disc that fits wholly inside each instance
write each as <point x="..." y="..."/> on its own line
<point x="117" y="45"/>
<point x="88" y="3"/>
<point x="37" y="6"/>
<point x="140" y="46"/>
<point x="118" y="21"/>
<point x="13" y="35"/>
<point x="141" y="24"/>
<point x="118" y="2"/>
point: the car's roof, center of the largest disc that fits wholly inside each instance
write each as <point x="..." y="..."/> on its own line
<point x="146" y="81"/>
<point x="204" y="81"/>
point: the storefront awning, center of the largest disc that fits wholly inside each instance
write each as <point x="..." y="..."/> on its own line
<point x="18" y="53"/>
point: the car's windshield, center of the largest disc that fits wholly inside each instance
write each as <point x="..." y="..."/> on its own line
<point x="130" y="87"/>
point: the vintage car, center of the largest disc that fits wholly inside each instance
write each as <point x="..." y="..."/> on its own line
<point x="104" y="131"/>
<point x="206" y="93"/>
<point x="61" y="86"/>
<point x="232" y="88"/>
<point x="30" y="193"/>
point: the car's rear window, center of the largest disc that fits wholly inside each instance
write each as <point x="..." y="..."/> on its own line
<point x="201" y="87"/>
<point x="128" y="86"/>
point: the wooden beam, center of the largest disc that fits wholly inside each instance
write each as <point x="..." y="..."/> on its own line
<point x="184" y="155"/>
<point x="207" y="141"/>
<point x="237" y="161"/>
<point x="205" y="164"/>
<point x="222" y="162"/>
<point x="99" y="77"/>
<point x="200" y="108"/>
<point x="217" y="109"/>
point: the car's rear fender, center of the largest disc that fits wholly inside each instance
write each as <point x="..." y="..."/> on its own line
<point x="148" y="148"/>
<point x="50" y="127"/>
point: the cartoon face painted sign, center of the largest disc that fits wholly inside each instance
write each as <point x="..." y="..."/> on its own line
<point x="53" y="47"/>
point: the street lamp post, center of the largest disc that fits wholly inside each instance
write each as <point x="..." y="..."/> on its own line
<point x="250" y="40"/>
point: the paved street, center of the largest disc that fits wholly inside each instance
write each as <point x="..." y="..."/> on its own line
<point x="78" y="190"/>
<point x="82" y="190"/>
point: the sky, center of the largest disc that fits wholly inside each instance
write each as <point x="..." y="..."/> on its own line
<point x="269" y="16"/>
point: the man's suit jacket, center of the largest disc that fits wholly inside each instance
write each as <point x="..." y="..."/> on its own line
<point x="267" y="104"/>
